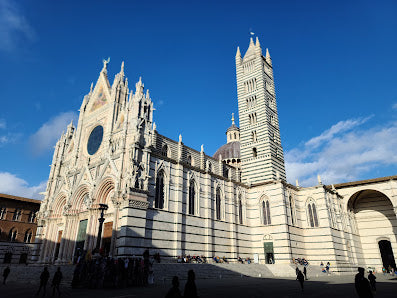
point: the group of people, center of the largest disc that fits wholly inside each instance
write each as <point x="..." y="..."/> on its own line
<point x="190" y="287"/>
<point x="300" y="261"/>
<point x="192" y="259"/>
<point x="365" y="287"/>
<point x="106" y="272"/>
<point x="326" y="268"/>
<point x="242" y="261"/>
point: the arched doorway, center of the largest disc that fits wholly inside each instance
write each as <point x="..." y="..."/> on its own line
<point x="387" y="255"/>
<point x="374" y="221"/>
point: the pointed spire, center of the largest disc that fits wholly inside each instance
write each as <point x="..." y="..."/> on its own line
<point x="139" y="86"/>
<point x="251" y="41"/>
<point x="147" y="93"/>
<point x="233" y="119"/>
<point x="154" y="126"/>
<point x="257" y="43"/>
<point x="297" y="183"/>
<point x="91" y="87"/>
<point x="180" y="138"/>
<point x="202" y="148"/>
<point x="319" y="179"/>
<point x="268" y="58"/>
<point x="238" y="54"/>
<point x="122" y="67"/>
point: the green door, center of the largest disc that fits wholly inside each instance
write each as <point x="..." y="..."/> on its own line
<point x="269" y="254"/>
<point x="80" y="239"/>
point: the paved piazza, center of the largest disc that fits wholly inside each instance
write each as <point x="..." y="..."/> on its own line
<point x="247" y="287"/>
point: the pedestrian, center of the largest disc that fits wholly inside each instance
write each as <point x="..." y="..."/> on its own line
<point x="372" y="280"/>
<point x="296" y="272"/>
<point x="190" y="287"/>
<point x="56" y="281"/>
<point x="174" y="292"/>
<point x="362" y="285"/>
<point x="300" y="278"/>
<point x="305" y="272"/>
<point x="6" y="272"/>
<point x="44" y="276"/>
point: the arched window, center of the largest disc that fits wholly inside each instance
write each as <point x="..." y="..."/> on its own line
<point x="3" y="212"/>
<point x="266" y="213"/>
<point x="28" y="236"/>
<point x="209" y="167"/>
<point x="12" y="235"/>
<point x="32" y="217"/>
<point x="159" y="199"/>
<point x="17" y="214"/>
<point x="312" y="212"/>
<point x="292" y="209"/>
<point x="189" y="160"/>
<point x="218" y="203"/>
<point x="254" y="152"/>
<point x="192" y="197"/>
<point x="240" y="210"/>
<point x="164" y="151"/>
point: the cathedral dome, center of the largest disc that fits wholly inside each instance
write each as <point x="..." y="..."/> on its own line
<point x="230" y="150"/>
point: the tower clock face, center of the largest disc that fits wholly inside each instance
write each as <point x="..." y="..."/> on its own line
<point x="95" y="140"/>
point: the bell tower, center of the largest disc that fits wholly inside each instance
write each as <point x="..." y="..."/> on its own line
<point x="262" y="157"/>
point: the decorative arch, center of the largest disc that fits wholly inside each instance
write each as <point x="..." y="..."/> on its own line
<point x="28" y="236"/>
<point x="12" y="234"/>
<point x="103" y="190"/>
<point x="160" y="195"/>
<point x="79" y="197"/>
<point x="58" y="204"/>
<point x="311" y="212"/>
<point x="165" y="151"/>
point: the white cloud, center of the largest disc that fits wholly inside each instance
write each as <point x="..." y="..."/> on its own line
<point x="394" y="106"/>
<point x="14" y="26"/>
<point x="12" y="185"/>
<point x="342" y="153"/>
<point x="45" y="138"/>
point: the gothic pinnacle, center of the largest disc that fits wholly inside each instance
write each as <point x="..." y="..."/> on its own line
<point x="257" y="43"/>
<point x="251" y="41"/>
<point x="238" y="54"/>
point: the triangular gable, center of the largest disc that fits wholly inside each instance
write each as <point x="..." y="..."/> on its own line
<point x="101" y="94"/>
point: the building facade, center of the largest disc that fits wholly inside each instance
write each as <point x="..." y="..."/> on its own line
<point x="18" y="226"/>
<point x="175" y="200"/>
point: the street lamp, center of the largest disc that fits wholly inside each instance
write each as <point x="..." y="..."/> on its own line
<point x="102" y="207"/>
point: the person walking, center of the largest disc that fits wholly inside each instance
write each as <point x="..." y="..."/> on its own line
<point x="362" y="285"/>
<point x="372" y="280"/>
<point x="56" y="281"/>
<point x="300" y="278"/>
<point x="44" y="276"/>
<point x="6" y="272"/>
<point x="174" y="292"/>
<point x="190" y="287"/>
<point x="305" y="272"/>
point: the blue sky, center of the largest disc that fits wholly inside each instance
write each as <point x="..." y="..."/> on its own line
<point x="334" y="65"/>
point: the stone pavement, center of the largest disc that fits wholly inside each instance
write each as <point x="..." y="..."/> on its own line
<point x="246" y="287"/>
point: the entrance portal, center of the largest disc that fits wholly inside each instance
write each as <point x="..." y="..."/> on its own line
<point x="269" y="254"/>
<point x="386" y="252"/>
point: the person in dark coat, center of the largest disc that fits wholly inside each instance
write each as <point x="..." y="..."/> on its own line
<point x="305" y="272"/>
<point x="6" y="272"/>
<point x="44" y="276"/>
<point x="362" y="284"/>
<point x="56" y="281"/>
<point x="300" y="278"/>
<point x="190" y="287"/>
<point x="372" y="280"/>
<point x="174" y="292"/>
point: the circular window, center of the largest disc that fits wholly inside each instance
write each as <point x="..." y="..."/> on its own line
<point x="95" y="140"/>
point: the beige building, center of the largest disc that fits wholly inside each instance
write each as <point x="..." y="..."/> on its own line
<point x="175" y="200"/>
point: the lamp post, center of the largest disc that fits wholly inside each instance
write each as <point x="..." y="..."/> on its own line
<point x="102" y="207"/>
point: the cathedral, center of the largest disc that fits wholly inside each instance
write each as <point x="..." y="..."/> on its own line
<point x="169" y="198"/>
